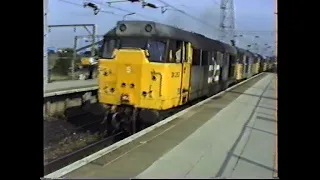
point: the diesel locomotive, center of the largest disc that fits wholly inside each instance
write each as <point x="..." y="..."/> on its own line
<point x="147" y="68"/>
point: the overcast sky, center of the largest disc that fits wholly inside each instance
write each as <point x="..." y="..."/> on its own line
<point x="252" y="17"/>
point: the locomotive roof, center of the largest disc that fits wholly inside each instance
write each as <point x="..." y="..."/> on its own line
<point x="258" y="55"/>
<point x="244" y="52"/>
<point x="250" y="54"/>
<point x="137" y="28"/>
<point x="111" y="32"/>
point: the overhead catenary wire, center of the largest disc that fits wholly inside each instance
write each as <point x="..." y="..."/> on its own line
<point x="243" y="32"/>
<point x="186" y="14"/>
<point x="124" y="10"/>
<point x="80" y="5"/>
<point x="103" y="11"/>
<point x="211" y="26"/>
<point x="179" y="10"/>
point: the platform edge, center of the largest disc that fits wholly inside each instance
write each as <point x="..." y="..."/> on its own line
<point x="57" y="93"/>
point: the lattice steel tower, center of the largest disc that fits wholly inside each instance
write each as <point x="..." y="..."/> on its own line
<point x="227" y="21"/>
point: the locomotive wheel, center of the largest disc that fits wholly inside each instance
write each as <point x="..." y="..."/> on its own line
<point x="149" y="117"/>
<point x="117" y="119"/>
<point x="133" y="120"/>
<point x="123" y="121"/>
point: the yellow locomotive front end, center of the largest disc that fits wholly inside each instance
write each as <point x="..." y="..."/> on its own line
<point x="130" y="79"/>
<point x="135" y="76"/>
<point x="119" y="78"/>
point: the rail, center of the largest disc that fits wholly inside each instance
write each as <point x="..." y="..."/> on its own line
<point x="80" y="153"/>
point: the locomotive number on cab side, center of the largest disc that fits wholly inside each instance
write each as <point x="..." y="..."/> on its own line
<point x="175" y="74"/>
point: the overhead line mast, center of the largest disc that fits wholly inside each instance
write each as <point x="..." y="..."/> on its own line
<point x="227" y="21"/>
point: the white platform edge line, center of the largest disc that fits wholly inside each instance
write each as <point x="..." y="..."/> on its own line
<point x="67" y="169"/>
<point x="57" y="93"/>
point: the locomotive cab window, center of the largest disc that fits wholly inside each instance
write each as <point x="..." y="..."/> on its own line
<point x="133" y="43"/>
<point x="156" y="51"/>
<point x="238" y="58"/>
<point x="232" y="59"/>
<point x="196" y="57"/>
<point x="177" y="51"/>
<point x="247" y="64"/>
<point x="156" y="48"/>
<point x="108" y="47"/>
<point x="187" y="51"/>
<point x="205" y="56"/>
<point x="184" y="52"/>
<point x="219" y="59"/>
<point x="214" y="57"/>
<point x="243" y="59"/>
<point x="226" y="59"/>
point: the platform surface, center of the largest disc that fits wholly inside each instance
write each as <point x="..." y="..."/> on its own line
<point x="231" y="136"/>
<point x="70" y="85"/>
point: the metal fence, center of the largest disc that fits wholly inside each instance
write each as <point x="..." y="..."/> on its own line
<point x="65" y="63"/>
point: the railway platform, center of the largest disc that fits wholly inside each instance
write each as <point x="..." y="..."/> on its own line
<point x="66" y="87"/>
<point x="232" y="135"/>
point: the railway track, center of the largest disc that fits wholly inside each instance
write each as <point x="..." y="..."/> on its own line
<point x="81" y="153"/>
<point x="76" y="155"/>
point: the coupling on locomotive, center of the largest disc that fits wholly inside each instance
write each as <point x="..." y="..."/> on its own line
<point x="147" y="68"/>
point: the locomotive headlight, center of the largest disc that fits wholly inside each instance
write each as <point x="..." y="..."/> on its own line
<point x="123" y="27"/>
<point x="148" y="28"/>
<point x="91" y="60"/>
<point x="125" y="97"/>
